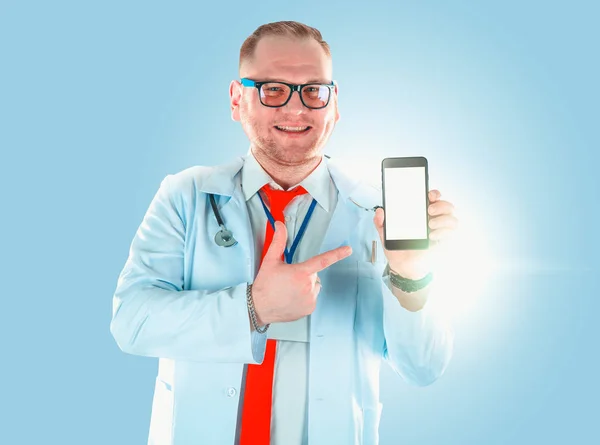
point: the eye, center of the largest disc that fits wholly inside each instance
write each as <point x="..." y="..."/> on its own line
<point x="274" y="89"/>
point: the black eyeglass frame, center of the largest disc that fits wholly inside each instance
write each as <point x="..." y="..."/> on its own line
<point x="254" y="84"/>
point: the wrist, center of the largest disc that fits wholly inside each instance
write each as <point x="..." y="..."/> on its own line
<point x="408" y="273"/>
<point x="409" y="282"/>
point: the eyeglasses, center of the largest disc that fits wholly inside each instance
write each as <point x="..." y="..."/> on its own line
<point x="277" y="94"/>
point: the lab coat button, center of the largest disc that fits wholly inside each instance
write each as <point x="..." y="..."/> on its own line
<point x="231" y="392"/>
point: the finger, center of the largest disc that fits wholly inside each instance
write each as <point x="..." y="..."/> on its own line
<point x="378" y="217"/>
<point x="278" y="243"/>
<point x="378" y="221"/>
<point x="443" y="222"/>
<point x="440" y="208"/>
<point x="326" y="259"/>
<point x="434" y="195"/>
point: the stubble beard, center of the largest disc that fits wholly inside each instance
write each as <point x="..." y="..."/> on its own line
<point x="292" y="154"/>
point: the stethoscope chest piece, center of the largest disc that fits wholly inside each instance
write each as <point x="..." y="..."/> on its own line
<point x="224" y="238"/>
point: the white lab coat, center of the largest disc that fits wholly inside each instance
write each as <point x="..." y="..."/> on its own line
<point x="182" y="298"/>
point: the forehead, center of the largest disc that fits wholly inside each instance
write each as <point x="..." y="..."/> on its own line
<point x="288" y="59"/>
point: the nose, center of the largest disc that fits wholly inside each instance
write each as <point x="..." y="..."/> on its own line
<point x="295" y="104"/>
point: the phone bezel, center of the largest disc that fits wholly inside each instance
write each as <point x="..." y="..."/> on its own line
<point x="403" y="162"/>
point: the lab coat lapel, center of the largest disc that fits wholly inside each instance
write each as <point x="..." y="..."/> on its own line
<point x="345" y="211"/>
<point x="333" y="307"/>
<point x="331" y="312"/>
<point x="224" y="181"/>
<point x="337" y="305"/>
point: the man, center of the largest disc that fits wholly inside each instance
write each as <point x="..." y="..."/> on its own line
<point x="277" y="338"/>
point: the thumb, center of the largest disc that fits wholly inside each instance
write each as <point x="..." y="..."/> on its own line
<point x="278" y="243"/>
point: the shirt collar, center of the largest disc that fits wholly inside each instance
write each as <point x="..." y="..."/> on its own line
<point x="317" y="184"/>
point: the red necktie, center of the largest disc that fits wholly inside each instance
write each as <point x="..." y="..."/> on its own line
<point x="256" y="414"/>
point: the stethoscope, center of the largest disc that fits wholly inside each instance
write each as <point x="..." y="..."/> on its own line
<point x="224" y="237"/>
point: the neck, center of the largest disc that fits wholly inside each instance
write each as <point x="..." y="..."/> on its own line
<point x="286" y="175"/>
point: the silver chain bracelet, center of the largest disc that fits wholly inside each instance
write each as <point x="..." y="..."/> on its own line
<point x="253" y="312"/>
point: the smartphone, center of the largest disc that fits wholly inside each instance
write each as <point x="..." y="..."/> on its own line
<point x="405" y="189"/>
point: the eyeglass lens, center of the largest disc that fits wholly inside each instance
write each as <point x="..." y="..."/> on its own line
<point x="276" y="94"/>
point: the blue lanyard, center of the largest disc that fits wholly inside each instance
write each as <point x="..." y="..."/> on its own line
<point x="290" y="255"/>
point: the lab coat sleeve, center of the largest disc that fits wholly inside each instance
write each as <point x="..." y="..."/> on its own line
<point x="153" y="316"/>
<point x="418" y="345"/>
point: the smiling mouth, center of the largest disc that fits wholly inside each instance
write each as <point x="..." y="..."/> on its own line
<point x="293" y="129"/>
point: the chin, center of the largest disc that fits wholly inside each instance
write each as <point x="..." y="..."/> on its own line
<point x="294" y="154"/>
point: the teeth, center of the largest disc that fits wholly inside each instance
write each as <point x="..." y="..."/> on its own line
<point x="292" y="128"/>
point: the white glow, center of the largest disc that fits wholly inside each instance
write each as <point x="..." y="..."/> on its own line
<point x="464" y="265"/>
<point x="463" y="268"/>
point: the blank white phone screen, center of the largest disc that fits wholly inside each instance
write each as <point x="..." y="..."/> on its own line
<point x="405" y="203"/>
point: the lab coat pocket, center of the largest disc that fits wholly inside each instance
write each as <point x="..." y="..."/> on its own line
<point x="367" y="269"/>
<point x="161" y="421"/>
<point x="371" y="418"/>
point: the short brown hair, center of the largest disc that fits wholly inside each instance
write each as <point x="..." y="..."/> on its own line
<point x="286" y="29"/>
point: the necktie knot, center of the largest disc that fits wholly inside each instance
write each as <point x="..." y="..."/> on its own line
<point x="279" y="199"/>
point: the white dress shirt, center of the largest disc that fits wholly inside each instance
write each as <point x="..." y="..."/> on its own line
<point x="290" y="380"/>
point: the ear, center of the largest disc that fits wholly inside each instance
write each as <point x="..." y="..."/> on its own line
<point x="235" y="96"/>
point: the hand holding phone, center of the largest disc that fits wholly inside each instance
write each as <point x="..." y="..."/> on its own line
<point x="405" y="188"/>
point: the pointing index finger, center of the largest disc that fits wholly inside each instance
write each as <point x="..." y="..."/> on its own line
<point x="326" y="259"/>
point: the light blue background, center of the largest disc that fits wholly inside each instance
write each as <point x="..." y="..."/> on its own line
<point x="100" y="100"/>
